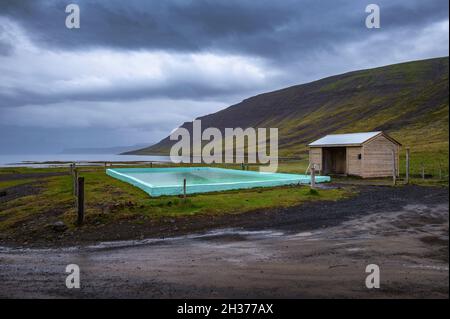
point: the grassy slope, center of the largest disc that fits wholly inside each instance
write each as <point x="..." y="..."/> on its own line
<point x="408" y="100"/>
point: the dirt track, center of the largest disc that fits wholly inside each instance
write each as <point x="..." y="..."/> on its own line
<point x="292" y="253"/>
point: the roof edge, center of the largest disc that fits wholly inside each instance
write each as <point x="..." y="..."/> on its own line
<point x="380" y="133"/>
<point x="393" y="140"/>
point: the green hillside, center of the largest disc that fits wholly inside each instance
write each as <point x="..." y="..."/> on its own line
<point x="410" y="101"/>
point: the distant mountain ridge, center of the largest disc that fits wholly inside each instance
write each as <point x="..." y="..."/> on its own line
<point x="103" y="150"/>
<point x="408" y="100"/>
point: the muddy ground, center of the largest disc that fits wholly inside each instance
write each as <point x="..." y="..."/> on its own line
<point x="307" y="216"/>
<point x="313" y="250"/>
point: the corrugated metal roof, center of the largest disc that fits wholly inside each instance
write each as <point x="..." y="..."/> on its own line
<point x="344" y="139"/>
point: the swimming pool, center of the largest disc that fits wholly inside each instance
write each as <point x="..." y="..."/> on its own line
<point x="169" y="180"/>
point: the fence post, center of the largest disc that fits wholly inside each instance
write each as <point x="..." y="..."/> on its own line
<point x="440" y="171"/>
<point x="184" y="189"/>
<point x="75" y="181"/>
<point x="313" y="176"/>
<point x="80" y="200"/>
<point x="407" y="166"/>
<point x="394" y="170"/>
<point x="423" y="170"/>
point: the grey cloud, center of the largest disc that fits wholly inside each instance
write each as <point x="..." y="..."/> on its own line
<point x="273" y="29"/>
<point x="199" y="91"/>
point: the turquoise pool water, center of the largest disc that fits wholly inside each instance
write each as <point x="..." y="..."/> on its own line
<point x="169" y="181"/>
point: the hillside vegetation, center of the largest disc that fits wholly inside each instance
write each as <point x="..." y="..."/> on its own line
<point x="410" y="101"/>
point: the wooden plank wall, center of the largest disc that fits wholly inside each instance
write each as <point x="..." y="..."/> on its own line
<point x="354" y="164"/>
<point x="377" y="157"/>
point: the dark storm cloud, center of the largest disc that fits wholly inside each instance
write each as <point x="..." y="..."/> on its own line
<point x="182" y="89"/>
<point x="273" y="29"/>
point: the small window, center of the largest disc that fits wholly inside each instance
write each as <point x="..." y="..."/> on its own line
<point x="359" y="156"/>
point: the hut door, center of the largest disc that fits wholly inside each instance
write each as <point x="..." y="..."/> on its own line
<point x="335" y="160"/>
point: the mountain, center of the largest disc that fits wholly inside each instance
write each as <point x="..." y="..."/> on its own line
<point x="102" y="150"/>
<point x="410" y="101"/>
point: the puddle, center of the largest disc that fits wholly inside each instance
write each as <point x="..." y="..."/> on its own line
<point x="440" y="268"/>
<point x="219" y="235"/>
<point x="355" y="249"/>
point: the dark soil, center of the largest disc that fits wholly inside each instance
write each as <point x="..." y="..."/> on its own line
<point x="17" y="176"/>
<point x="307" y="216"/>
<point x="17" y="191"/>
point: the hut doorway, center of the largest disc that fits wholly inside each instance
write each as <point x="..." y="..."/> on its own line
<point x="334" y="160"/>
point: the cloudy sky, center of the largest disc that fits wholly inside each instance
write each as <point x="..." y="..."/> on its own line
<point x="137" y="69"/>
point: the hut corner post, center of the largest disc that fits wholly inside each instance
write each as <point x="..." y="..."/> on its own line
<point x="407" y="166"/>
<point x="184" y="190"/>
<point x="423" y="170"/>
<point x="394" y="169"/>
<point x="313" y="176"/>
<point x="80" y="200"/>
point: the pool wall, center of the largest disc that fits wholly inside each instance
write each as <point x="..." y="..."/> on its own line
<point x="158" y="190"/>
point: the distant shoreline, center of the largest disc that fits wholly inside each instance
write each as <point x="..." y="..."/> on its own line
<point x="51" y="160"/>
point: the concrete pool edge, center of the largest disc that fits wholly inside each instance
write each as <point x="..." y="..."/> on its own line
<point x="173" y="190"/>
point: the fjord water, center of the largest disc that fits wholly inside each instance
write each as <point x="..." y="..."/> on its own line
<point x="25" y="159"/>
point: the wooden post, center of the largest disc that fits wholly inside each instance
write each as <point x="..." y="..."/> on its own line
<point x="313" y="177"/>
<point x="440" y="171"/>
<point x="184" y="189"/>
<point x="80" y="200"/>
<point x="407" y="166"/>
<point x="75" y="181"/>
<point x="151" y="164"/>
<point x="423" y="171"/>
<point x="394" y="170"/>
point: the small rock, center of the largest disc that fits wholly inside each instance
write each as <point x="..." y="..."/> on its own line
<point x="58" y="226"/>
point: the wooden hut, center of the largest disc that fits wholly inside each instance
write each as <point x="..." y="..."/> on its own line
<point x="368" y="154"/>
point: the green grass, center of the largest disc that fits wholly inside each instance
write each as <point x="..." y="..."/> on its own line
<point x="12" y="183"/>
<point x="109" y="200"/>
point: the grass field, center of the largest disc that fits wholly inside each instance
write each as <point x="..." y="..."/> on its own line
<point x="37" y="202"/>
<point x="31" y="199"/>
